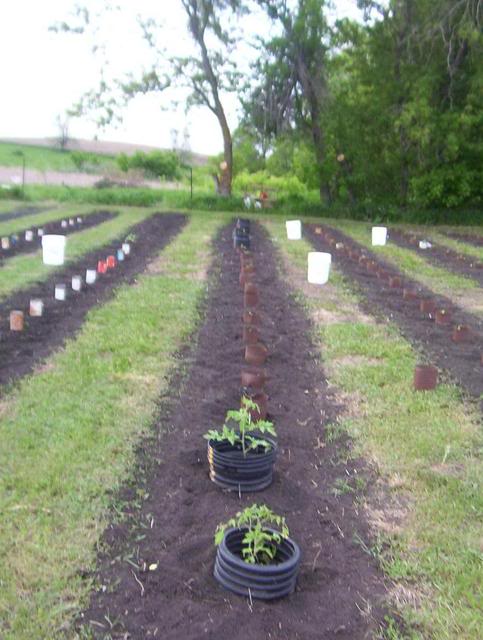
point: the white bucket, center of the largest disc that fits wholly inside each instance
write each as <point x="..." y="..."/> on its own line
<point x="379" y="236"/>
<point x="60" y="292"/>
<point x="294" y="229"/>
<point x="79" y="220"/>
<point x="40" y="232"/>
<point x="71" y="222"/>
<point x="425" y="244"/>
<point x="318" y="267"/>
<point x="6" y="242"/>
<point x="126" y="248"/>
<point x="91" y="276"/>
<point x="63" y="224"/>
<point x="29" y="235"/>
<point x="53" y="247"/>
<point x="36" y="307"/>
<point x="76" y="283"/>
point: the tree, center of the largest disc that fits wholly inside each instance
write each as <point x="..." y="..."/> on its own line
<point x="206" y="75"/>
<point x="62" y="124"/>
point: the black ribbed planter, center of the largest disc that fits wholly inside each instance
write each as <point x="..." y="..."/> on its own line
<point x="241" y="239"/>
<point x="262" y="581"/>
<point x="233" y="471"/>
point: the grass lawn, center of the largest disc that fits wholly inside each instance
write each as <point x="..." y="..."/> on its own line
<point x="424" y="447"/>
<point x="68" y="435"/>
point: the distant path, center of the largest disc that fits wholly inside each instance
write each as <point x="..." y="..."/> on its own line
<point x="13" y="175"/>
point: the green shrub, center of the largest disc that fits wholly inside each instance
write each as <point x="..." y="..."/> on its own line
<point x="156" y="164"/>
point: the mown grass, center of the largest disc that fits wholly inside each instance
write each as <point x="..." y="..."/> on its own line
<point x="68" y="435"/>
<point x="425" y="445"/>
<point x="409" y="262"/>
<point x="458" y="245"/>
<point x="45" y="158"/>
<point x="21" y="271"/>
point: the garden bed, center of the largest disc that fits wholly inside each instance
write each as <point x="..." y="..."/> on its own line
<point x="441" y="256"/>
<point x="473" y="239"/>
<point x="461" y="360"/>
<point x="54" y="227"/>
<point x="21" y="351"/>
<point x="20" y="212"/>
<point x="157" y="570"/>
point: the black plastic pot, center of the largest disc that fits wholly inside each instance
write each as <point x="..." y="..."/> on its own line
<point x="233" y="471"/>
<point x="264" y="582"/>
<point x="241" y="239"/>
<point x="243" y="224"/>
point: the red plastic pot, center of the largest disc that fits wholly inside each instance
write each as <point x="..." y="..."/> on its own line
<point x="256" y="353"/>
<point x="250" y="334"/>
<point x="111" y="262"/>
<point x="101" y="267"/>
<point x="250" y="295"/>
<point x="254" y="377"/>
<point x="425" y="377"/>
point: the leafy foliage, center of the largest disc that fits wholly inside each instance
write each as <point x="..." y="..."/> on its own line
<point x="241" y="436"/>
<point x="265" y="530"/>
<point x="155" y="164"/>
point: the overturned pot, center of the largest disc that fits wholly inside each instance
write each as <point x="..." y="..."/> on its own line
<point x="261" y="581"/>
<point x="461" y="333"/>
<point x="410" y="294"/>
<point x="395" y="282"/>
<point x="250" y="334"/>
<point x="256" y="354"/>
<point x="251" y="317"/>
<point x="443" y="317"/>
<point x="425" y="377"/>
<point x="261" y="400"/>
<point x="427" y="306"/>
<point x="251" y="297"/>
<point x="253" y="377"/>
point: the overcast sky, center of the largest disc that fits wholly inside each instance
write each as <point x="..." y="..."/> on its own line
<point x="43" y="73"/>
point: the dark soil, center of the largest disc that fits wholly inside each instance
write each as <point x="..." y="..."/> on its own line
<point x="21" y="351"/>
<point x="22" y="246"/>
<point x="21" y="212"/>
<point x="441" y="256"/>
<point x="461" y="360"/>
<point x="340" y="590"/>
<point x="474" y="239"/>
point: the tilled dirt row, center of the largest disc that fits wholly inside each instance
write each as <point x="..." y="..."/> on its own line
<point x="23" y="246"/>
<point x="156" y="576"/>
<point x="21" y="351"/>
<point x="20" y="212"/>
<point x="474" y="239"/>
<point x="461" y="360"/>
<point x="441" y="256"/>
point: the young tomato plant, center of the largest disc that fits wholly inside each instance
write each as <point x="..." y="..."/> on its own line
<point x="241" y="435"/>
<point x="265" y="529"/>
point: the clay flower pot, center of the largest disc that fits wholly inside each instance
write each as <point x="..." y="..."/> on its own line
<point x="245" y="256"/>
<point x="410" y="294"/>
<point x="425" y="377"/>
<point x="256" y="354"/>
<point x="250" y="334"/>
<point x="245" y="277"/>
<point x="253" y="377"/>
<point x="264" y="582"/>
<point x="251" y="317"/>
<point x="16" y="320"/>
<point x="461" y="333"/>
<point x="442" y="317"/>
<point x="395" y="282"/>
<point x="251" y="295"/>
<point x="427" y="306"/>
<point x="371" y="266"/>
<point x="318" y="231"/>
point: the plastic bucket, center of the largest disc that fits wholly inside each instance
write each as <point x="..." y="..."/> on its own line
<point x="379" y="236"/>
<point x="318" y="267"/>
<point x="91" y="276"/>
<point x="53" y="249"/>
<point x="294" y="229"/>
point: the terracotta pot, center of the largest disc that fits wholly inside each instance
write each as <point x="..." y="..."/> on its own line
<point x="382" y="275"/>
<point x="395" y="282"/>
<point x="250" y="334"/>
<point x="443" y="317"/>
<point x="16" y="320"/>
<point x="245" y="277"/>
<point x="245" y="256"/>
<point x="461" y="333"/>
<point x="261" y="399"/>
<point x="425" y="377"/>
<point x="256" y="354"/>
<point x="318" y="231"/>
<point x="253" y="377"/>
<point x="427" y="306"/>
<point x="410" y="294"/>
<point x="250" y="295"/>
<point x="251" y="317"/>
<point x="371" y="266"/>
<point x="362" y="259"/>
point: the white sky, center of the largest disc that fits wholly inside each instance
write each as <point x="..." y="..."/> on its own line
<point x="42" y="73"/>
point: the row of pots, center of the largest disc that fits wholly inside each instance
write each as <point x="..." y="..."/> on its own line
<point x="7" y="242"/>
<point x="233" y="471"/>
<point x="36" y="305"/>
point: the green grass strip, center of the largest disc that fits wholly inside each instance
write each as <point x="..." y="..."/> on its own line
<point x="68" y="434"/>
<point x="21" y="271"/>
<point x="458" y="245"/>
<point x="409" y="262"/>
<point x="54" y="212"/>
<point x="46" y="159"/>
<point x="425" y="446"/>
